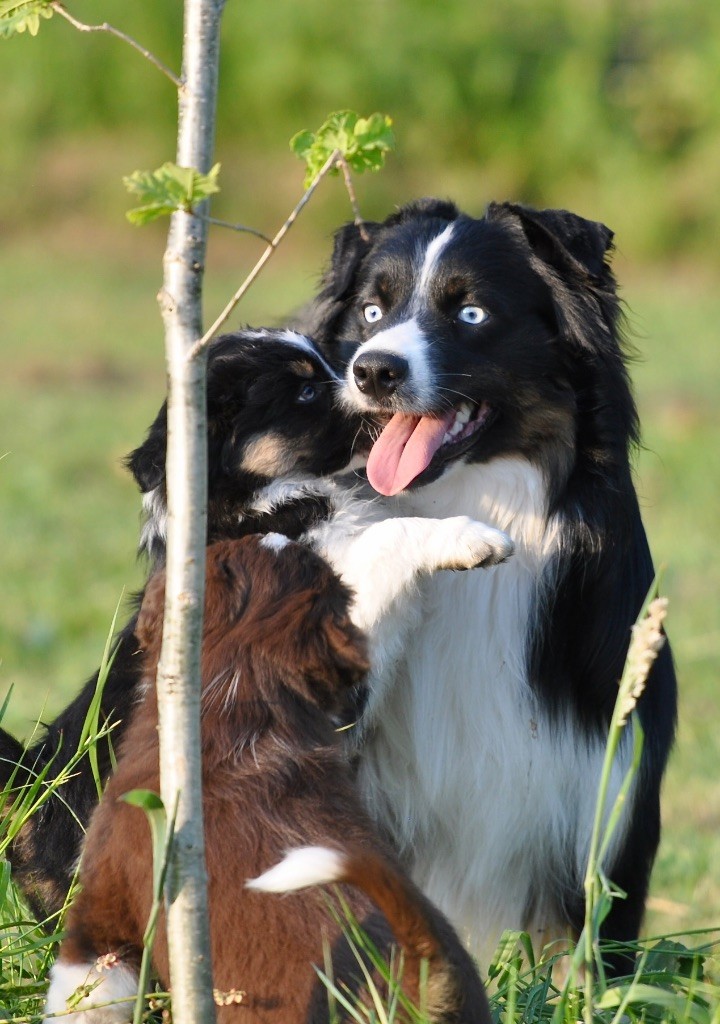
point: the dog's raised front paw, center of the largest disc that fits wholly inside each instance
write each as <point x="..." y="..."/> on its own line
<point x="474" y="545"/>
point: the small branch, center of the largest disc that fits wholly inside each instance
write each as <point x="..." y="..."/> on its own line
<point x="243" y="228"/>
<point x="359" y="223"/>
<point x="105" y="27"/>
<point x="198" y="347"/>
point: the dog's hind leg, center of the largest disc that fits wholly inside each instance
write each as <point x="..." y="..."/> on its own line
<point x="98" y="992"/>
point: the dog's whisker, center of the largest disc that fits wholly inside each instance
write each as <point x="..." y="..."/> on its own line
<point x="459" y="394"/>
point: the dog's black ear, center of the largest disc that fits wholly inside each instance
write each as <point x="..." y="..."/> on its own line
<point x="147" y="463"/>
<point x="351" y="244"/>
<point x="570" y="255"/>
<point x="319" y="318"/>
<point x="561" y="238"/>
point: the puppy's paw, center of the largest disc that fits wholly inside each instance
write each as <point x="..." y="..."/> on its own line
<point x="474" y="545"/>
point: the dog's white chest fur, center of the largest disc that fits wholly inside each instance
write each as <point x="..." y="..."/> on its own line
<point x="462" y="762"/>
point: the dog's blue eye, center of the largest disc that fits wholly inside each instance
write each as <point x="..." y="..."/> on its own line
<point x="307" y="393"/>
<point x="472" y="315"/>
<point x="372" y="312"/>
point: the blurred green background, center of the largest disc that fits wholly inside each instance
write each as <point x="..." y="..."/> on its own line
<point x="611" y="109"/>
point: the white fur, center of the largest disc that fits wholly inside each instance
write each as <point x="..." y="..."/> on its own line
<point x="430" y="260"/>
<point x="99" y="1006"/>
<point x="409" y="341"/>
<point x="308" y="865"/>
<point x="155" y="518"/>
<point x="275" y="541"/>
<point x="385" y="557"/>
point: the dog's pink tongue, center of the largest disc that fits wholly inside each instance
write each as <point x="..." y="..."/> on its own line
<point x="404" y="449"/>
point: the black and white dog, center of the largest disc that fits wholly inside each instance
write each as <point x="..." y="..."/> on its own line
<point x="493" y="349"/>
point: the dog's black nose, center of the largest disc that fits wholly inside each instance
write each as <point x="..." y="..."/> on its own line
<point x="379" y="374"/>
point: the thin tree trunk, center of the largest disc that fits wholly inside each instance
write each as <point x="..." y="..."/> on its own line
<point x="178" y="680"/>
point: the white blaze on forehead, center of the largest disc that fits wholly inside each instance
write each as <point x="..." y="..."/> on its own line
<point x="430" y="259"/>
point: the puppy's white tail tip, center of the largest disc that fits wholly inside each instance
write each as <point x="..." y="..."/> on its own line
<point x="300" y="868"/>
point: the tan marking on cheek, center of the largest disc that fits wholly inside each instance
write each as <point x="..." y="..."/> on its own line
<point x="268" y="455"/>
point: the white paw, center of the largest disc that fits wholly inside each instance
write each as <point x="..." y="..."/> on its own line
<point x="99" y="992"/>
<point x="473" y="545"/>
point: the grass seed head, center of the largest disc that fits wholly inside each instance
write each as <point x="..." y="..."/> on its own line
<point x="646" y="641"/>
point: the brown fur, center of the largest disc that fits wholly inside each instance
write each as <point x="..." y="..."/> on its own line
<point x="281" y="661"/>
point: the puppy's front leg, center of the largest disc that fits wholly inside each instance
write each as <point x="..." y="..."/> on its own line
<point x="382" y="562"/>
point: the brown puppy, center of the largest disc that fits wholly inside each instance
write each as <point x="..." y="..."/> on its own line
<point x="282" y="667"/>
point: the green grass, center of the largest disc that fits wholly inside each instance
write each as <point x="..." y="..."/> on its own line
<point x="83" y="376"/>
<point x="671" y="983"/>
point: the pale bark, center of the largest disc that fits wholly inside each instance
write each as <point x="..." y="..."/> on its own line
<point x="178" y="680"/>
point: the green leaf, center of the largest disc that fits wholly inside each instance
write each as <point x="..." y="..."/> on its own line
<point x="679" y="1005"/>
<point x="22" y="16"/>
<point x="144" y="798"/>
<point x="673" y="958"/>
<point x="167" y="189"/>
<point x="362" y="141"/>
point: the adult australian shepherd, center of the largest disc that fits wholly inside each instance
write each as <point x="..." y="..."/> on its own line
<point x="491" y="350"/>
<point x="282" y="667"/>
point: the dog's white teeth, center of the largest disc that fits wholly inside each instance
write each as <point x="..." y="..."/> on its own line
<point x="463" y="415"/>
<point x="468" y="419"/>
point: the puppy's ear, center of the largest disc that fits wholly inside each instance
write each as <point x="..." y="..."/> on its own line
<point x="345" y="648"/>
<point x="147" y="463"/>
<point x="148" y="629"/>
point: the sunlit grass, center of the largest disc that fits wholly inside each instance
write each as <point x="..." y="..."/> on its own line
<point x="672" y="982"/>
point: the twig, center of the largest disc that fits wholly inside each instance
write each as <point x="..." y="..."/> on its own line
<point x="105" y="27"/>
<point x="197" y="348"/>
<point x="359" y="223"/>
<point x="235" y="227"/>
